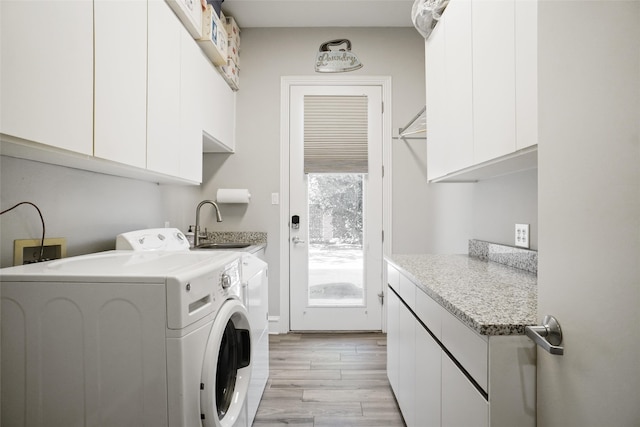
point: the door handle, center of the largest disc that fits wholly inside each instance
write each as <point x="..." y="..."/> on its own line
<point x="296" y="240"/>
<point x="548" y="336"/>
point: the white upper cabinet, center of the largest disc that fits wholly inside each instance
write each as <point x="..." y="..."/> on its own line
<point x="191" y="105"/>
<point x="449" y="92"/>
<point x="526" y="56"/>
<point x="47" y="73"/>
<point x="219" y="113"/>
<point x="458" y="84"/>
<point x="121" y="81"/>
<point x="494" y="96"/>
<point x="481" y="78"/>
<point x="438" y="156"/>
<point x="163" y="86"/>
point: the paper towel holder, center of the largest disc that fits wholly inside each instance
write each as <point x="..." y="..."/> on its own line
<point x="233" y="195"/>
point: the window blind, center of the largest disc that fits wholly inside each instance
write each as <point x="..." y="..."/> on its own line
<point x="335" y="134"/>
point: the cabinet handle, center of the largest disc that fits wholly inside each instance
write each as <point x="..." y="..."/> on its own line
<point x="548" y="336"/>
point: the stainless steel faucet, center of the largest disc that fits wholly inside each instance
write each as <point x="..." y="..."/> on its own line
<point x="196" y="240"/>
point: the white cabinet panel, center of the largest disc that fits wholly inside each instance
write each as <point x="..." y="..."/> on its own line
<point x="438" y="155"/>
<point x="526" y="57"/>
<point x="121" y="81"/>
<point x="163" y="107"/>
<point x="428" y="379"/>
<point x="407" y="359"/>
<point x="493" y="79"/>
<point x="458" y="85"/>
<point x="47" y="73"/>
<point x="469" y="348"/>
<point x="393" y="339"/>
<point x="191" y="105"/>
<point x="393" y="277"/>
<point x="408" y="291"/>
<point x="219" y="112"/>
<point x="462" y="404"/>
<point x="429" y="312"/>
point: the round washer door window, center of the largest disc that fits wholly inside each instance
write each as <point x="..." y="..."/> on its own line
<point x="227" y="367"/>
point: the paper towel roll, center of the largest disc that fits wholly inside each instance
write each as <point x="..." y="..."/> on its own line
<point x="233" y="195"/>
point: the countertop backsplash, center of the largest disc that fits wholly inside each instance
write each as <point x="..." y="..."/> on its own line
<point x="524" y="259"/>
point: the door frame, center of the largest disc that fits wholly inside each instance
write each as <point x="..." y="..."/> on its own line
<point x="286" y="83"/>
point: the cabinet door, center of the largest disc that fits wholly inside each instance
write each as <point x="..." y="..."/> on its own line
<point x="47" y="73"/>
<point x="407" y="360"/>
<point x="458" y="85"/>
<point x="493" y="78"/>
<point x="219" y="111"/>
<point x="163" y="85"/>
<point x="393" y="340"/>
<point x="462" y="405"/>
<point x="121" y="81"/>
<point x="191" y="105"/>
<point x="428" y="379"/>
<point x="526" y="56"/>
<point x="435" y="71"/>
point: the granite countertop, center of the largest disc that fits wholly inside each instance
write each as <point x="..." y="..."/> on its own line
<point x="491" y="298"/>
<point x="256" y="239"/>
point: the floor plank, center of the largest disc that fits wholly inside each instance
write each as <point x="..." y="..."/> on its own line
<point x="328" y="380"/>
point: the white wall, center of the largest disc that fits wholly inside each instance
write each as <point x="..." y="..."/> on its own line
<point x="88" y="209"/>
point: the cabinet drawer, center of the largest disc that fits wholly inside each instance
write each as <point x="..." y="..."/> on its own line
<point x="393" y="278"/>
<point x="462" y="405"/>
<point x="429" y="312"/>
<point x="408" y="292"/>
<point x="469" y="348"/>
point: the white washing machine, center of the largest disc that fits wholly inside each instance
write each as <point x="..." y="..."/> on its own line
<point x="122" y="338"/>
<point x="253" y="293"/>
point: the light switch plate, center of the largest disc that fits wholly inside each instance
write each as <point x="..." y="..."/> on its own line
<point x="522" y="235"/>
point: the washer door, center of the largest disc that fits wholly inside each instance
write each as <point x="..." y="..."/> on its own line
<point x="227" y="367"/>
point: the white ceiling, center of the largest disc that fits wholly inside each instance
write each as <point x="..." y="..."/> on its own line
<point x="320" y="13"/>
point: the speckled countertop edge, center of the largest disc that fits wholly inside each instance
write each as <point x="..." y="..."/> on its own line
<point x="490" y="298"/>
<point x="253" y="237"/>
<point x="256" y="239"/>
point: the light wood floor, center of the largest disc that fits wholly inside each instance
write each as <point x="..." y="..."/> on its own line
<point x="328" y="380"/>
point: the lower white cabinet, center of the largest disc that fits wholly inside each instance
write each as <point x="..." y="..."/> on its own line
<point x="393" y="339"/>
<point x="462" y="404"/>
<point x="445" y="374"/>
<point x="428" y="379"/>
<point x="407" y="359"/>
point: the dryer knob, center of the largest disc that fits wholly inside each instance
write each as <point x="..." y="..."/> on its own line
<point x="225" y="280"/>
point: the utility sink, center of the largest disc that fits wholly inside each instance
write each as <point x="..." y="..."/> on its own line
<point x="223" y="245"/>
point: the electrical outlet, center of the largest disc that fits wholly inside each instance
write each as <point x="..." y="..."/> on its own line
<point x="26" y="251"/>
<point x="522" y="235"/>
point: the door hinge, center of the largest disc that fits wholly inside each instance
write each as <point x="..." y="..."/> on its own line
<point x="382" y="107"/>
<point x="382" y="236"/>
<point x="381" y="297"/>
<point x="383" y="171"/>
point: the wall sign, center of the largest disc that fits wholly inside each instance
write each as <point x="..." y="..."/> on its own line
<point x="336" y="61"/>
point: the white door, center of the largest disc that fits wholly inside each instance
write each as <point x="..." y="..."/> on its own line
<point x="589" y="211"/>
<point x="335" y="243"/>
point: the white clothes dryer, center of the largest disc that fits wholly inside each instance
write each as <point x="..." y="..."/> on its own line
<point x="122" y="338"/>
